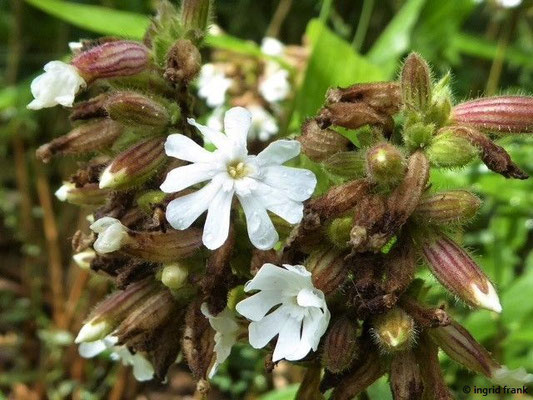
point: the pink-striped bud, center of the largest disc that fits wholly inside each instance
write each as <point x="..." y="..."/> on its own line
<point x="86" y="195"/>
<point x="328" y="269"/>
<point x="501" y="114"/>
<point x="112" y="59"/>
<point x="456" y="271"/>
<point x="319" y="144"/>
<point x="460" y="346"/>
<point x="341" y="345"/>
<point x="454" y="206"/>
<point x="405" y="378"/>
<point x="416" y="83"/>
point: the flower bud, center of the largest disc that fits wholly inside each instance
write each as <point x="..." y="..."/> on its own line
<point x="134" y="165"/>
<point x="91" y="136"/>
<point x="340" y="346"/>
<point x="174" y="276"/>
<point x="111" y="60"/>
<point x="195" y="14"/>
<point x="382" y="96"/>
<point x="368" y="370"/>
<point x="352" y="116"/>
<point x="347" y="164"/>
<point x="460" y="346"/>
<point x="494" y="156"/>
<point x="426" y="353"/>
<point x="385" y="164"/>
<point x="89" y="194"/>
<point x="501" y="114"/>
<point x="183" y="62"/>
<point x="112" y="235"/>
<point x="456" y="271"/>
<point x="416" y="83"/>
<point x="405" y="379"/>
<point x="133" y="109"/>
<point x="448" y="151"/>
<point x="84" y="258"/>
<point x="92" y="108"/>
<point x="454" y="206"/>
<point x="441" y="106"/>
<point x="339" y="231"/>
<point x="394" y="331"/>
<point x="328" y="269"/>
<point x="418" y="135"/>
<point x="423" y="316"/>
<point x="94" y="330"/>
<point x="318" y="144"/>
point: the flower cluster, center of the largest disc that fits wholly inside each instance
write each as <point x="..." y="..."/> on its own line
<point x="328" y="279"/>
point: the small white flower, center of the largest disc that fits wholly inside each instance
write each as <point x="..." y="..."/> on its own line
<point x="511" y="377"/>
<point x="508" y="3"/>
<point x="260" y="182"/>
<point x="58" y="85"/>
<point x="225" y="337"/>
<point x="213" y="85"/>
<point x="299" y="321"/>
<point x="111" y="235"/>
<point x="62" y="192"/>
<point x="275" y="84"/>
<point x="142" y="368"/>
<point x="215" y="120"/>
<point x="83" y="259"/>
<point x="264" y="125"/>
<point x="272" y="47"/>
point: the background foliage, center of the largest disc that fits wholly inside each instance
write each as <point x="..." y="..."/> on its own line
<point x="43" y="297"/>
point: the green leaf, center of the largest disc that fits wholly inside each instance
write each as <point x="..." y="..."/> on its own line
<point x="287" y="393"/>
<point x="97" y="19"/>
<point x="396" y="38"/>
<point x="333" y="62"/>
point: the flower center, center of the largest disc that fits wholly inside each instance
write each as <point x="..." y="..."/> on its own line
<point x="237" y="169"/>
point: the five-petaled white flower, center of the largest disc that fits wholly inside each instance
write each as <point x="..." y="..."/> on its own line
<point x="111" y="235"/>
<point x="213" y="85"/>
<point x="142" y="368"/>
<point x="301" y="318"/>
<point x="260" y="182"/>
<point x="226" y="329"/>
<point x="58" y="85"/>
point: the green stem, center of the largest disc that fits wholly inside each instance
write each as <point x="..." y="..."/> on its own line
<point x="325" y="10"/>
<point x="362" y="26"/>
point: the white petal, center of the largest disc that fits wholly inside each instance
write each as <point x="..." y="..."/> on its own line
<point x="217" y="223"/>
<point x="297" y="183"/>
<point x="279" y="152"/>
<point x="220" y="140"/>
<point x="255" y="307"/>
<point x="91" y="349"/>
<point x="184" y="148"/>
<point x="142" y="368"/>
<point x="277" y="201"/>
<point x="310" y="298"/>
<point x="289" y="345"/>
<point x="111" y="239"/>
<point x="272" y="46"/>
<point x="261" y="231"/>
<point x="237" y="123"/>
<point x="300" y="270"/>
<point x="103" y="223"/>
<point x="183" y="211"/>
<point x="183" y="177"/>
<point x="270" y="277"/>
<point x="315" y="325"/>
<point x="262" y="332"/>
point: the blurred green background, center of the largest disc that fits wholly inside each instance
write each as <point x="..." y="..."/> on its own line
<point x="488" y="49"/>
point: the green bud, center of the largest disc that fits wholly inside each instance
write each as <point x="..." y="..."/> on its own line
<point x="385" y="164"/>
<point x="448" y="151"/>
<point x="418" y="135"/>
<point x="394" y="330"/>
<point x="174" y="276"/>
<point x="195" y="15"/>
<point x="347" y="164"/>
<point x="339" y="231"/>
<point x="441" y="107"/>
<point x="134" y="165"/>
<point x="416" y="83"/>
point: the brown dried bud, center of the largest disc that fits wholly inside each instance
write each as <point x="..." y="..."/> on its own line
<point x="454" y="206"/>
<point x="460" y="346"/>
<point x="134" y="165"/>
<point x="394" y="331"/>
<point x="405" y="378"/>
<point x="382" y="96"/>
<point x="458" y="273"/>
<point x="495" y="157"/>
<point x="347" y="164"/>
<point x="113" y="59"/>
<point x="92" y="108"/>
<point x="416" y="83"/>
<point x="353" y="116"/>
<point x="501" y="114"/>
<point x="385" y="164"/>
<point x="400" y="267"/>
<point x="340" y="346"/>
<point x="367" y="371"/>
<point x="91" y="136"/>
<point x="318" y="144"/>
<point x="134" y="109"/>
<point x="366" y="234"/>
<point x="424" y="317"/>
<point x="86" y="195"/>
<point x="328" y="269"/>
<point x="183" y="62"/>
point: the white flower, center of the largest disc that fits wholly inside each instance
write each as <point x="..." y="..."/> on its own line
<point x="58" y="85"/>
<point x="511" y="377"/>
<point x="272" y="47"/>
<point x="264" y="125"/>
<point x="215" y="121"/>
<point x="62" y="192"/>
<point x="111" y="235"/>
<point x="83" y="259"/>
<point x="508" y="3"/>
<point x="142" y="368"/>
<point x="275" y="85"/>
<point x="225" y="337"/>
<point x="300" y="320"/>
<point x="213" y="85"/>
<point x="260" y="182"/>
